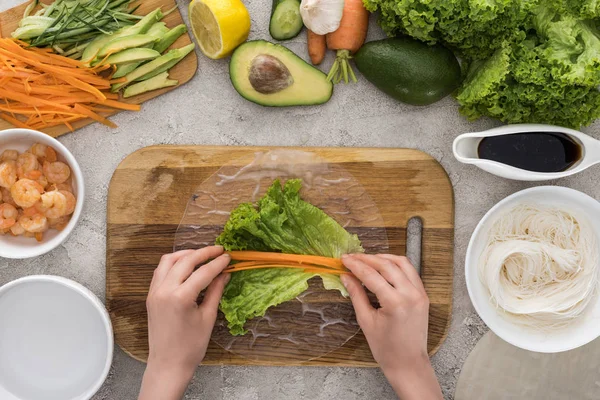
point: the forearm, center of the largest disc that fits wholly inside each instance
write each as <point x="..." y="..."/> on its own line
<point x="161" y="383"/>
<point x="416" y="383"/>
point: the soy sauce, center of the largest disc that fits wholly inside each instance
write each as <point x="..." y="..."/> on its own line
<point x="532" y="151"/>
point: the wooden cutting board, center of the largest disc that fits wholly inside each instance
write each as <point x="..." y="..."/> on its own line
<point x="183" y="71"/>
<point x="150" y="189"/>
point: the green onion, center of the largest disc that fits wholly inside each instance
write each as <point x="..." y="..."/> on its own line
<point x="68" y="24"/>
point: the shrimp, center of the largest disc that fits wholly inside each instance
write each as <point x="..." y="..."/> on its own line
<point x="56" y="172"/>
<point x="26" y="163"/>
<point x="26" y="192"/>
<point x="6" y="197"/>
<point x="9" y="155"/>
<point x="37" y="223"/>
<point x="64" y="187"/>
<point x="71" y="201"/>
<point x="17" y="229"/>
<point x="59" y="223"/>
<point x="55" y="204"/>
<point x="43" y="181"/>
<point x="8" y="216"/>
<point x="8" y="174"/>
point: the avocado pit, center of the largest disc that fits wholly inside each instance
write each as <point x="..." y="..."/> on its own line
<point x="269" y="75"/>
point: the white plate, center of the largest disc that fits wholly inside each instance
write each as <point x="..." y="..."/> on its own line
<point x="56" y="340"/>
<point x="582" y="330"/>
<point x="23" y="247"/>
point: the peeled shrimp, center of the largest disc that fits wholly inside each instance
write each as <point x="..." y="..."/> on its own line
<point x="6" y="197"/>
<point x="26" y="192"/>
<point x="43" y="181"/>
<point x="71" y="202"/>
<point x="8" y="174"/>
<point x="9" y="155"/>
<point x="8" y="216"/>
<point x="56" y="172"/>
<point x="59" y="223"/>
<point x="54" y="204"/>
<point x="17" y="229"/>
<point x="43" y="152"/>
<point x="34" y="224"/>
<point x="64" y="186"/>
<point x="26" y="163"/>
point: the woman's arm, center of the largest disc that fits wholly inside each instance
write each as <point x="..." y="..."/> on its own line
<point x="397" y="331"/>
<point x="178" y="328"/>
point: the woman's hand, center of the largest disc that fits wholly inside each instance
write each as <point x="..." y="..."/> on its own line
<point x="178" y="328"/>
<point x="397" y="331"/>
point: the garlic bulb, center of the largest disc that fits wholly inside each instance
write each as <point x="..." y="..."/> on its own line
<point x="322" y="16"/>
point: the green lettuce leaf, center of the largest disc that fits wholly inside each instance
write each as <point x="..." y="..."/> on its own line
<point x="281" y="221"/>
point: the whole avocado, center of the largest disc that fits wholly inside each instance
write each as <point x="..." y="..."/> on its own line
<point x="409" y="70"/>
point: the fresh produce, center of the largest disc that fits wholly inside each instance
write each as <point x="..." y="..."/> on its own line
<point x="66" y="24"/>
<point x="154" y="67"/>
<point x="286" y="22"/>
<point x="219" y="25"/>
<point x="36" y="193"/>
<point x="90" y="53"/>
<point x="529" y="61"/>
<point x="280" y="222"/>
<point x="347" y="39"/>
<point x="272" y="75"/>
<point x="39" y="89"/>
<point x="409" y="70"/>
<point x="540" y="265"/>
<point x="322" y="16"/>
<point x="317" y="47"/>
<point x="247" y="260"/>
<point x="159" y="81"/>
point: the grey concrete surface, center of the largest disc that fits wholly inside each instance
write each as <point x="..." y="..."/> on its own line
<point x="209" y="111"/>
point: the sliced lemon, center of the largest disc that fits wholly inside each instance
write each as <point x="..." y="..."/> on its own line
<point x="219" y="25"/>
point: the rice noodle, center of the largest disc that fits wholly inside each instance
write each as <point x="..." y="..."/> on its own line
<point x="540" y="265"/>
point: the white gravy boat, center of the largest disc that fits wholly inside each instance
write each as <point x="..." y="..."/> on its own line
<point x="465" y="150"/>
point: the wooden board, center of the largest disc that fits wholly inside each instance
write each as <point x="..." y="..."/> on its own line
<point x="150" y="189"/>
<point x="183" y="71"/>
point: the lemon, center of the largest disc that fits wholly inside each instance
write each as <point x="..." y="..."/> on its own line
<point x="219" y="25"/>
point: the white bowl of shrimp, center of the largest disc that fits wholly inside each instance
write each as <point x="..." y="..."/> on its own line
<point x="41" y="193"/>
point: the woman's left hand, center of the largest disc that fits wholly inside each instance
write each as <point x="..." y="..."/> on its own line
<point x="178" y="328"/>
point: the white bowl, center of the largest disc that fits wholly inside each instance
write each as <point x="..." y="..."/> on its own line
<point x="580" y="331"/>
<point x="56" y="340"/>
<point x="23" y="247"/>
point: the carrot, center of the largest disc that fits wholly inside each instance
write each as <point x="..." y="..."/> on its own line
<point x="347" y="39"/>
<point x="314" y="270"/>
<point x="40" y="89"/>
<point x="316" y="47"/>
<point x="286" y="258"/>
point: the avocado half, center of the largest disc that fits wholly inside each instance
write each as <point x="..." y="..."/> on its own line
<point x="279" y="77"/>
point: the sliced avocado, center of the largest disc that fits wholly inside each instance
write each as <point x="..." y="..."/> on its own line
<point x="169" y="38"/>
<point x="158" y="82"/>
<point x="124" y="43"/>
<point x="124" y="69"/>
<point x="179" y="55"/>
<point x="134" y="55"/>
<point x="141" y="27"/>
<point x="159" y="64"/>
<point x="144" y="24"/>
<point x="158" y="30"/>
<point x="272" y="75"/>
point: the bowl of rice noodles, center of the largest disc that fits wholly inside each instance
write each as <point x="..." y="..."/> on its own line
<point x="532" y="269"/>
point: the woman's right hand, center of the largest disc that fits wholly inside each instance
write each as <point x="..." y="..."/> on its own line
<point x="397" y="331"/>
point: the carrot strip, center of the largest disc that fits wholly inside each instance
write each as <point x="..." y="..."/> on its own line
<point x="279" y="257"/>
<point x="14" y="121"/>
<point x="120" y="105"/>
<point x="87" y="112"/>
<point x="305" y="269"/>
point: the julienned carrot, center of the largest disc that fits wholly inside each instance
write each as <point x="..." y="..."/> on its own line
<point x="284" y="257"/>
<point x="347" y="39"/>
<point x="39" y="89"/>
<point x="267" y="264"/>
<point x="307" y="269"/>
<point x="316" y="47"/>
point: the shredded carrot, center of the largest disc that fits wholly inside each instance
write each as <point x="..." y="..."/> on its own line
<point x="314" y="270"/>
<point x="40" y="89"/>
<point x="284" y="257"/>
